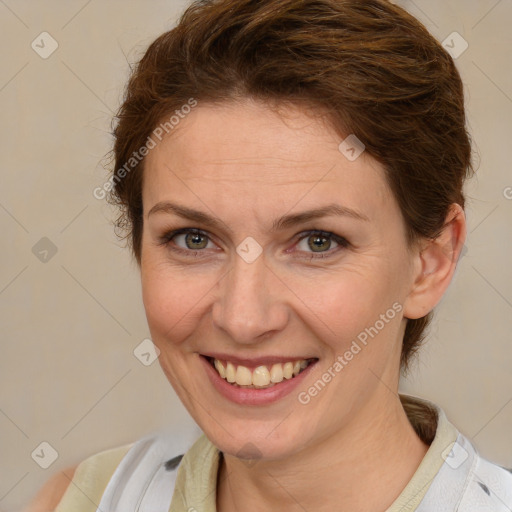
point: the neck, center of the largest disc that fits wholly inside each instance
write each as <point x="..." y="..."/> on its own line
<point x="362" y="468"/>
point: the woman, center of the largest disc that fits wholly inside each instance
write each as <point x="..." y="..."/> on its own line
<point x="290" y="173"/>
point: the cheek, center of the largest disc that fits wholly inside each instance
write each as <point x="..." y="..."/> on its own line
<point x="175" y="299"/>
<point x="164" y="300"/>
<point x="343" y="304"/>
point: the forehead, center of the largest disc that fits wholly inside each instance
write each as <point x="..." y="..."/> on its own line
<point x="248" y="153"/>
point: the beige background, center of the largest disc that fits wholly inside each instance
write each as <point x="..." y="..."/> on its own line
<point x="69" y="325"/>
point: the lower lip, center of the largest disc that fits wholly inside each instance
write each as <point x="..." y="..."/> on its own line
<point x="253" y="396"/>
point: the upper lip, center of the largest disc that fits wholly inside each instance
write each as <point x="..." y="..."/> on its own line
<point x="254" y="361"/>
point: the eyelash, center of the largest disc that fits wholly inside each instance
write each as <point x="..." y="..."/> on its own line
<point x="167" y="238"/>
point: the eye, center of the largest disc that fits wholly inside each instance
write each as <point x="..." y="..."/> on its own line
<point x="193" y="240"/>
<point x="319" y="243"/>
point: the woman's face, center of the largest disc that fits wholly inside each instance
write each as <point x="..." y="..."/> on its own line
<point x="257" y="283"/>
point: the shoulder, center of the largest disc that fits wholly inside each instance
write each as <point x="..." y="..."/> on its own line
<point x="477" y="484"/>
<point x="74" y="488"/>
<point x="490" y="483"/>
<point x="51" y="493"/>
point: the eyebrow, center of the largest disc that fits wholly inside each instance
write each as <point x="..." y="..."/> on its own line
<point x="284" y="222"/>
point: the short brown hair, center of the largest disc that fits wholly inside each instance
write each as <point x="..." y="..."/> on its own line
<point x="372" y="67"/>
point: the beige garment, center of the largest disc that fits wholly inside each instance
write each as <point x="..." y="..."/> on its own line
<point x="196" y="482"/>
<point x="90" y="480"/>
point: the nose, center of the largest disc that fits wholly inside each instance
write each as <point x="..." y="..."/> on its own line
<point x="251" y="304"/>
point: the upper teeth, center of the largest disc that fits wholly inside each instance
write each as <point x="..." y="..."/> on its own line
<point x="262" y="375"/>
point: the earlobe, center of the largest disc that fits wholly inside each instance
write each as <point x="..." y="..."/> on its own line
<point x="435" y="263"/>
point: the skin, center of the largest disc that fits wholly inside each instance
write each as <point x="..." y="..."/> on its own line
<point x="52" y="492"/>
<point x="351" y="447"/>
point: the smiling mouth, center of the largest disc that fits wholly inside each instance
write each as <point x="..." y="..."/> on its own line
<point x="260" y="377"/>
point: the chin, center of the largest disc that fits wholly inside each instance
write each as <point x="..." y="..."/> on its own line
<point x="252" y="440"/>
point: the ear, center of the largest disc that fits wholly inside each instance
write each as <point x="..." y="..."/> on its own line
<point x="434" y="265"/>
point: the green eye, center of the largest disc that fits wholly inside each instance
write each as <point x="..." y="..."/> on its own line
<point x="196" y="240"/>
<point x="320" y="242"/>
